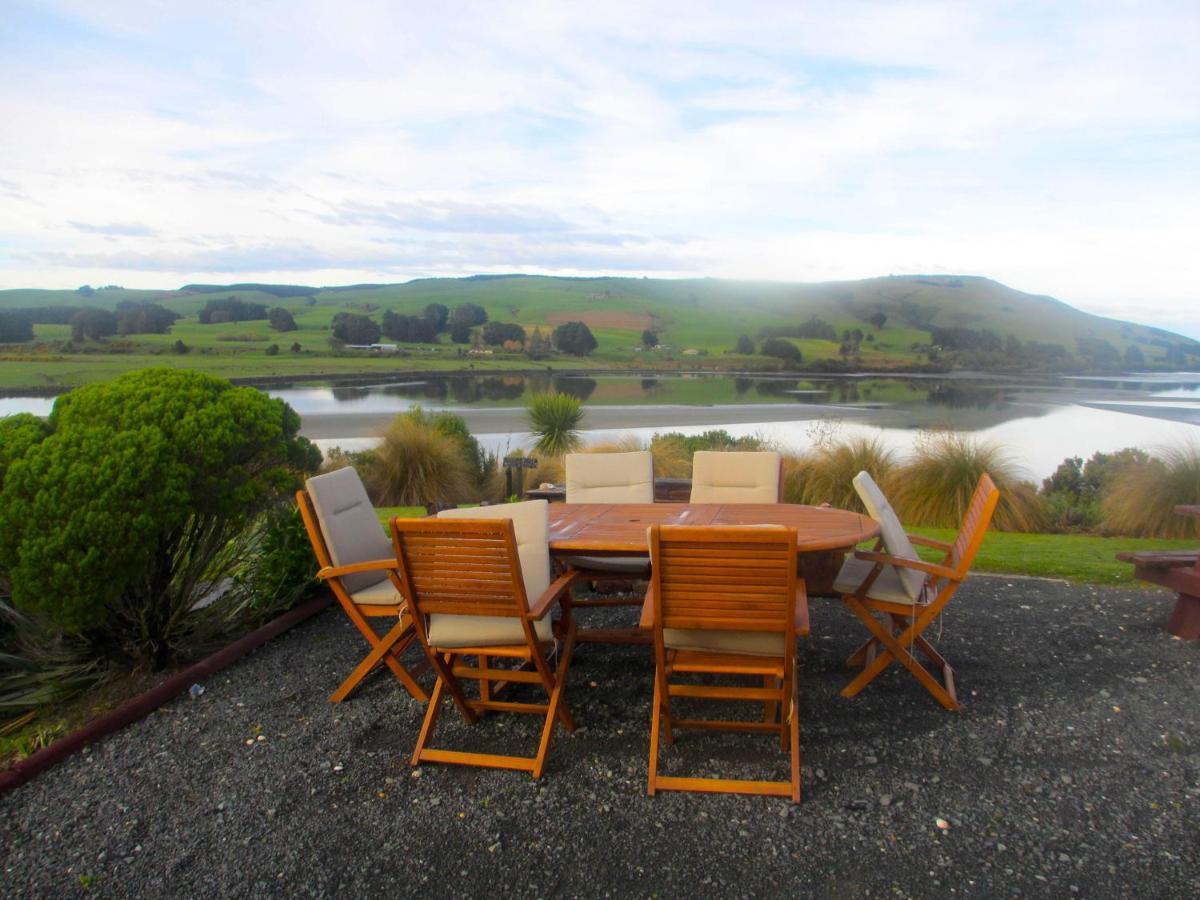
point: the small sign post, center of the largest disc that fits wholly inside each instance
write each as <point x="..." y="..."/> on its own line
<point x="520" y="463"/>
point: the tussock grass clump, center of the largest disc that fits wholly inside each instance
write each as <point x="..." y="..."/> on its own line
<point x="1143" y="495"/>
<point x="935" y="485"/>
<point x="554" y="420"/>
<point x="417" y="465"/>
<point x="829" y="476"/>
<point x="795" y="476"/>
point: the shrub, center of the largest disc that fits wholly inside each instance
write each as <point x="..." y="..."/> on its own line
<point x="127" y="515"/>
<point x="829" y="472"/>
<point x="744" y="345"/>
<point x="782" y="349"/>
<point x="554" y="421"/>
<point x="1143" y="495"/>
<point x="280" y="570"/>
<point x="17" y="434"/>
<point x="272" y="350"/>
<point x="673" y="450"/>
<point x="794" y="477"/>
<point x="934" y="487"/>
<point x="1074" y="492"/>
<point x="417" y="465"/>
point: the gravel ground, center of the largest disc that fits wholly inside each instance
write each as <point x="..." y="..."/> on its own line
<point x="1073" y="767"/>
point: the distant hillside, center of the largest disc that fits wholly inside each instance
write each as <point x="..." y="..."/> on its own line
<point x="910" y="322"/>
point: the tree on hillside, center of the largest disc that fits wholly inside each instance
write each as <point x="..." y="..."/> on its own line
<point x="281" y="319"/>
<point x="460" y="333"/>
<point x="439" y="314"/>
<point x="649" y="339"/>
<point x="93" y="324"/>
<point x="468" y="314"/>
<point x="231" y="309"/>
<point x="877" y="319"/>
<point x="782" y="349"/>
<point x="144" y="318"/>
<point x="496" y="333"/>
<point x="744" y="345"/>
<point x="574" y="338"/>
<point x="411" y="329"/>
<point x="15" y="328"/>
<point x="351" y="328"/>
<point x="538" y="346"/>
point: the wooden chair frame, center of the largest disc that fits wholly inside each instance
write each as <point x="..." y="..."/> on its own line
<point x="385" y="649"/>
<point x="893" y="639"/>
<point x="471" y="567"/>
<point x="694" y="586"/>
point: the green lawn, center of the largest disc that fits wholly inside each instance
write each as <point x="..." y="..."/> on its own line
<point x="1075" y="557"/>
<point x="1079" y="558"/>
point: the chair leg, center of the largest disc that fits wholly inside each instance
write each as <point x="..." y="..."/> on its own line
<point x="557" y="708"/>
<point x="655" y="707"/>
<point x="383" y="649"/>
<point x="769" y="705"/>
<point x="793" y="723"/>
<point x="431" y="716"/>
<point x="894" y="645"/>
<point x="859" y="656"/>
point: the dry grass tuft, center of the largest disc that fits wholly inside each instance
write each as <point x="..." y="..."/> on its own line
<point x="832" y="466"/>
<point x="416" y="465"/>
<point x="1142" y="496"/>
<point x="935" y="486"/>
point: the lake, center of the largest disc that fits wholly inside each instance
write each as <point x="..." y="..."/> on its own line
<point x="1041" y="421"/>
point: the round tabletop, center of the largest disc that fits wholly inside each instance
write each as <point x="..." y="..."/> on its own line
<point x="620" y="528"/>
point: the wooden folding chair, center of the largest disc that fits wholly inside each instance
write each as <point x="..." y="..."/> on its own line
<point x="468" y="593"/>
<point x="910" y="593"/>
<point x="358" y="563"/>
<point x="726" y="601"/>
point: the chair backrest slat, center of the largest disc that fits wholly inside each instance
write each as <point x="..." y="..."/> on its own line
<point x="730" y="578"/>
<point x="974" y="525"/>
<point x="460" y="566"/>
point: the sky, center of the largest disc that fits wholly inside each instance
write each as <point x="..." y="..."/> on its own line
<point x="1054" y="147"/>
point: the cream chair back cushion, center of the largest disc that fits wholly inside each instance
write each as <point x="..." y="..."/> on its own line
<point x="531" y="526"/>
<point x="610" y="477"/>
<point x="750" y="477"/>
<point x="895" y="540"/>
<point x="348" y="523"/>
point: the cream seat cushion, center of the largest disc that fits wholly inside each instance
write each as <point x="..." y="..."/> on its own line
<point x="610" y="477"/>
<point x="887" y="586"/>
<point x="735" y="477"/>
<point x="749" y="643"/>
<point x="531" y="528"/>
<point x="352" y="532"/>
<point x="895" y="540"/>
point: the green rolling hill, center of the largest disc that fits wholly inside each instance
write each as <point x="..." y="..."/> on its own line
<point x="895" y="322"/>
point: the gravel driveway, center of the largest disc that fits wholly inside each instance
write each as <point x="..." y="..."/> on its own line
<point x="1073" y="767"/>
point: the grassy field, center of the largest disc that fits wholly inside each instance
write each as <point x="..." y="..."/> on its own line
<point x="703" y="316"/>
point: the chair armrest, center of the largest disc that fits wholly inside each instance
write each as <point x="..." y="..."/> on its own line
<point x="372" y="565"/>
<point x="930" y="542"/>
<point x="918" y="564"/>
<point x="647" y="619"/>
<point x="560" y="584"/>
<point x="800" y="616"/>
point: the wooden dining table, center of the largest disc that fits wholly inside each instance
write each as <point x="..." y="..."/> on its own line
<point x="823" y="534"/>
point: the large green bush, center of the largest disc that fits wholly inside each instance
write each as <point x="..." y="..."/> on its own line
<point x="127" y="519"/>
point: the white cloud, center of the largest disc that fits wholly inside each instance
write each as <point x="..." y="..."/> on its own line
<point x="1053" y="148"/>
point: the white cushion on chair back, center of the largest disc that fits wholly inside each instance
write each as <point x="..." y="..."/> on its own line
<point x="610" y="477"/>
<point x="532" y="529"/>
<point x="735" y="477"/>
<point x="895" y="540"/>
<point x="348" y="523"/>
